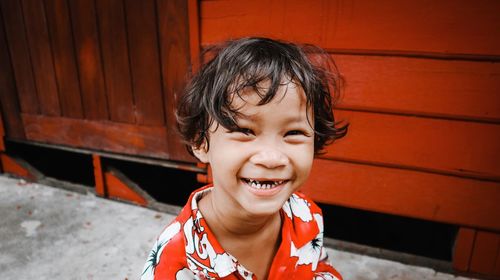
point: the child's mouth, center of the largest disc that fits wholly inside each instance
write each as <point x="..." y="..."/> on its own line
<point x="263" y="184"/>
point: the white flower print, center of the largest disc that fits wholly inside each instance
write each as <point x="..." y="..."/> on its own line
<point x="188" y="233"/>
<point x="154" y="256"/>
<point x="310" y="253"/>
<point x="185" y="274"/>
<point x="324" y="276"/>
<point x="223" y="264"/>
<point x="298" y="207"/>
<point x="319" y="221"/>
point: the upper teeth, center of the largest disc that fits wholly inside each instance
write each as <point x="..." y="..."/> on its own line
<point x="264" y="184"/>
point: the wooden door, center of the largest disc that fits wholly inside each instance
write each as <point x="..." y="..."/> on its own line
<point x="101" y="75"/>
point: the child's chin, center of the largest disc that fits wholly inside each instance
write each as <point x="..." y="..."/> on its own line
<point x="264" y="209"/>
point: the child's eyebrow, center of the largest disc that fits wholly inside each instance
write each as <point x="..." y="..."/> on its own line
<point x="254" y="118"/>
<point x="245" y="117"/>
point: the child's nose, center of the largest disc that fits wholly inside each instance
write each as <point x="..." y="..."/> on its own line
<point x="269" y="159"/>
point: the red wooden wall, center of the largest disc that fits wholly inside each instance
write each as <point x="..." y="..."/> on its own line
<point x="422" y="97"/>
<point x="100" y="75"/>
<point x="422" y="93"/>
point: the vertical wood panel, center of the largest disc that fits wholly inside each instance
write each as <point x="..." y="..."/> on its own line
<point x="496" y="270"/>
<point x="8" y="95"/>
<point x="98" y="175"/>
<point x="174" y="45"/>
<point x="113" y="37"/>
<point x="41" y="57"/>
<point x="93" y="93"/>
<point x="145" y="61"/>
<point x="462" y="251"/>
<point x="64" y="57"/>
<point x="194" y="33"/>
<point x="2" y="136"/>
<point x="485" y="252"/>
<point x="21" y="62"/>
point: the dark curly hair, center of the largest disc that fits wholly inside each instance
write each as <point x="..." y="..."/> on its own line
<point x="247" y="62"/>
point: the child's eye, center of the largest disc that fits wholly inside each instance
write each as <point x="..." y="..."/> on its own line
<point x="295" y="132"/>
<point x="246" y="131"/>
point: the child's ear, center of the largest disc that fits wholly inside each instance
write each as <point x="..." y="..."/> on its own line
<point x="201" y="153"/>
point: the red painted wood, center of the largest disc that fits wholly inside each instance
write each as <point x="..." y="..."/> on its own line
<point x="443" y="88"/>
<point x="496" y="270"/>
<point x="59" y="26"/>
<point x="21" y="62"/>
<point x="145" y="61"/>
<point x="98" y="176"/>
<point x="462" y="251"/>
<point x="119" y="189"/>
<point x="105" y="136"/>
<point x="485" y="252"/>
<point x="113" y="37"/>
<point x="441" y="198"/>
<point x="11" y="166"/>
<point x="194" y="34"/>
<point x="204" y="178"/>
<point x="2" y="134"/>
<point x="41" y="57"/>
<point x="9" y="103"/>
<point x="436" y="145"/>
<point x="174" y="46"/>
<point x="88" y="54"/>
<point x="450" y="27"/>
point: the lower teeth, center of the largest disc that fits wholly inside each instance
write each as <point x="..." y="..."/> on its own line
<point x="260" y="186"/>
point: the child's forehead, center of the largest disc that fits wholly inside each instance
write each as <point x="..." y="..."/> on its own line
<point x="253" y="95"/>
<point x="289" y="99"/>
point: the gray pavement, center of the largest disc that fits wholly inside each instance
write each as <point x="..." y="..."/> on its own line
<point x="51" y="233"/>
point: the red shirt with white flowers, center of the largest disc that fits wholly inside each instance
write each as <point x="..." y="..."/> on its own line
<point x="187" y="249"/>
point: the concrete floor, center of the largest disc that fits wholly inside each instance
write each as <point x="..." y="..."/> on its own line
<point x="51" y="233"/>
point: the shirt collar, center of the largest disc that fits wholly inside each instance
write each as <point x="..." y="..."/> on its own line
<point x="299" y="227"/>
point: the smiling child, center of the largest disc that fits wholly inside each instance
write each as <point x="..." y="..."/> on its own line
<point x="258" y="112"/>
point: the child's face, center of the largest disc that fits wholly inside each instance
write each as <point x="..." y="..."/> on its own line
<point x="257" y="168"/>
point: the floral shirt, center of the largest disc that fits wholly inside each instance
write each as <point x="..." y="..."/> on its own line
<point x="187" y="249"/>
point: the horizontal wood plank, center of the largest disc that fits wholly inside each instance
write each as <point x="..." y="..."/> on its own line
<point x="449" y="26"/>
<point x="451" y="89"/>
<point x="105" y="136"/>
<point x="451" y="147"/>
<point x="429" y="87"/>
<point x="434" y="197"/>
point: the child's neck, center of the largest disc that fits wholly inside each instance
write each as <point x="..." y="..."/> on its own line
<point x="253" y="241"/>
